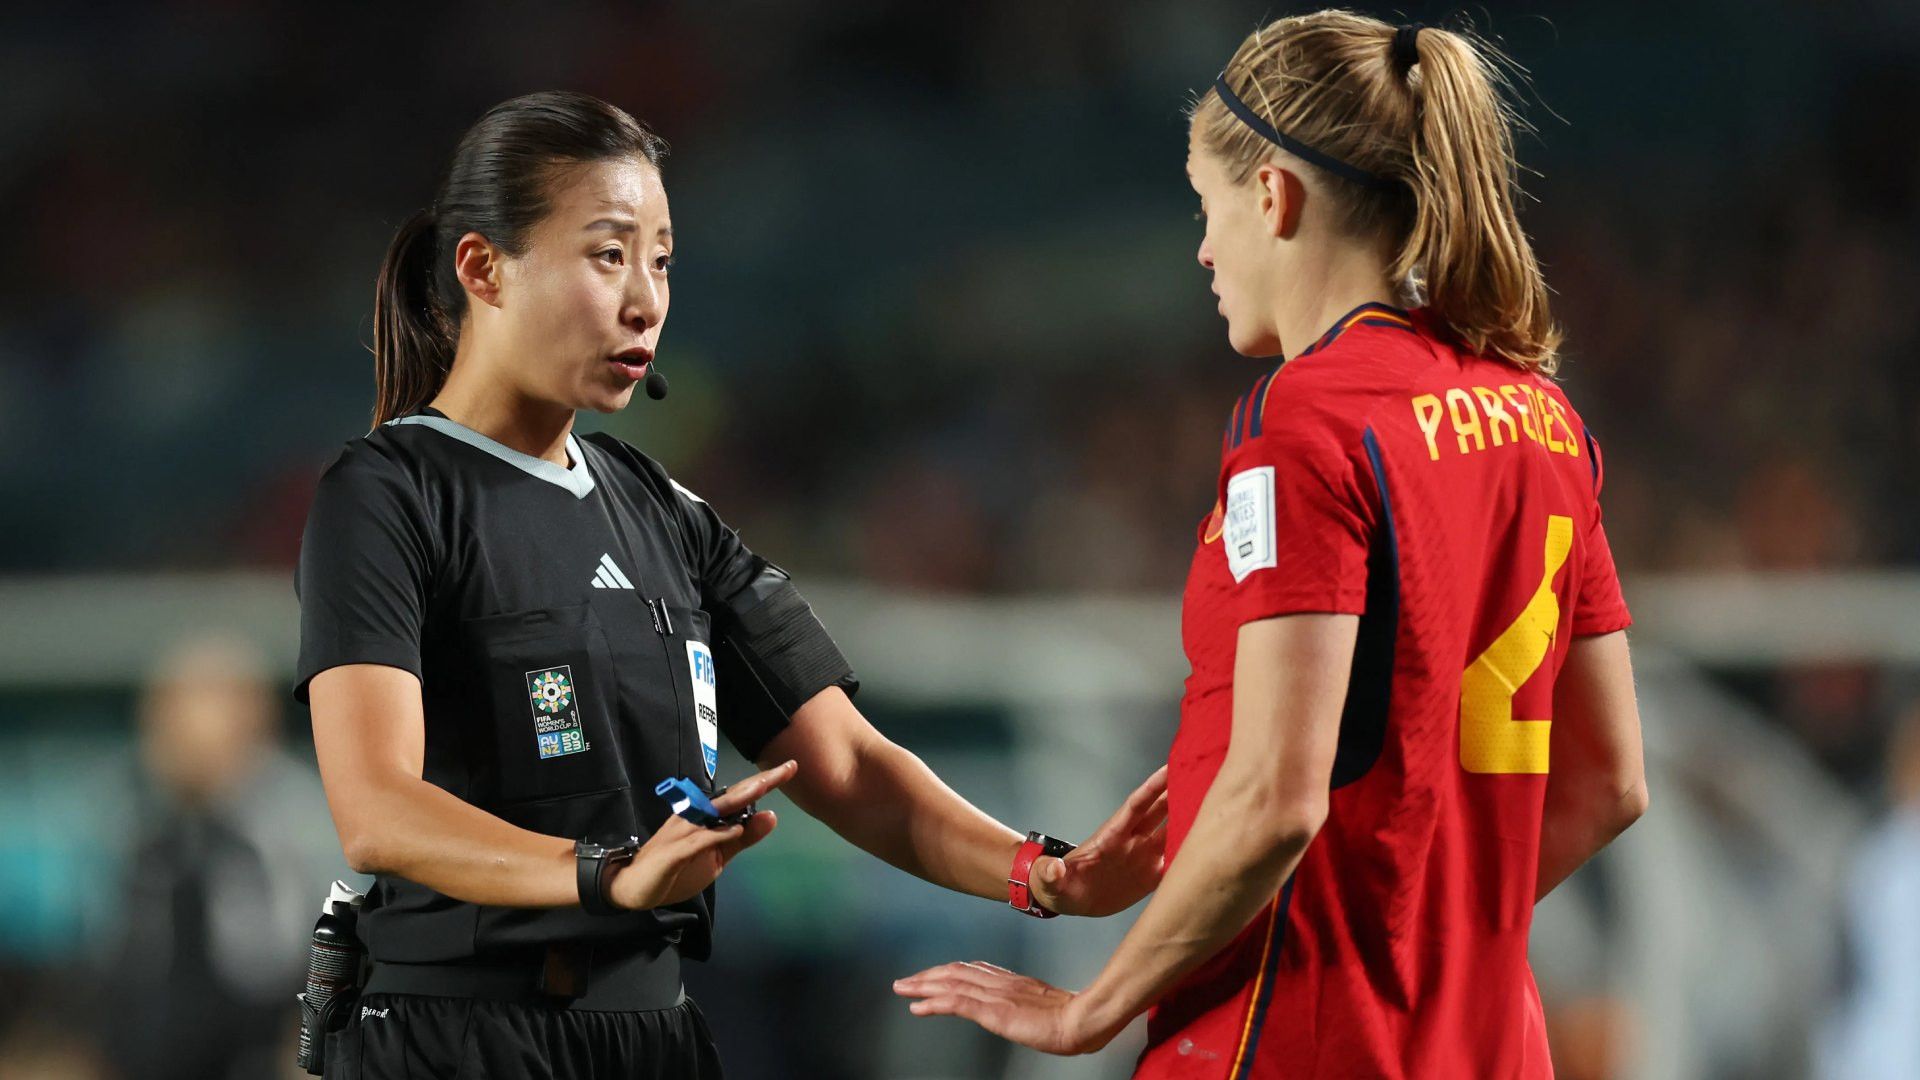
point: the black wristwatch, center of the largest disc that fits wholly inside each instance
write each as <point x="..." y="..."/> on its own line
<point x="594" y="862"/>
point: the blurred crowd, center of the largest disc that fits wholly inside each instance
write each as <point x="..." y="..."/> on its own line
<point x="937" y="327"/>
<point x="929" y="323"/>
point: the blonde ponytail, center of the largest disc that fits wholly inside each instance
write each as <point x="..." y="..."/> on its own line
<point x="1432" y="122"/>
<point x="1466" y="247"/>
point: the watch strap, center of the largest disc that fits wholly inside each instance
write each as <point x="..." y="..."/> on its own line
<point x="593" y="866"/>
<point x="1020" y="878"/>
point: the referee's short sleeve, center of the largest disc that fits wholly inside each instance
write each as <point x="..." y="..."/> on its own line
<point x="362" y="577"/>
<point x="720" y="559"/>
<point x="774" y="654"/>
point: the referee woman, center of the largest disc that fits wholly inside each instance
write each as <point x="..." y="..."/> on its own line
<point x="509" y="634"/>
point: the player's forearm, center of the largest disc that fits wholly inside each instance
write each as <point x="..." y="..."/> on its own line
<point x="886" y="801"/>
<point x="1246" y="839"/>
<point x="1579" y="820"/>
<point x="412" y="829"/>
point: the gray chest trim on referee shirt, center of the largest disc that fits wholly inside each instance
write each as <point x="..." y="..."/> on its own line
<point x="576" y="479"/>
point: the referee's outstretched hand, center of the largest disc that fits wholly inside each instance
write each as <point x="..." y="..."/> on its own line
<point x="682" y="858"/>
<point x="1118" y="865"/>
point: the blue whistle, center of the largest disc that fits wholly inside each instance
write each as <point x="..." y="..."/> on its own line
<point x="685" y="799"/>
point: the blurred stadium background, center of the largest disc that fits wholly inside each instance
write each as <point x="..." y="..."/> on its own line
<point x="939" y="346"/>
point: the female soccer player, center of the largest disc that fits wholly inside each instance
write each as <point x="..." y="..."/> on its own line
<point x="510" y="635"/>
<point x="1400" y="610"/>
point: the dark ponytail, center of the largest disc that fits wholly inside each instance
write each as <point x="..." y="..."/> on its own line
<point x="412" y="344"/>
<point x="497" y="186"/>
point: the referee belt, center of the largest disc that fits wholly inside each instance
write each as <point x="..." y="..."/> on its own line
<point x="594" y="978"/>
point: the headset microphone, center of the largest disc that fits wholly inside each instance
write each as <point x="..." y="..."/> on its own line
<point x="656" y="383"/>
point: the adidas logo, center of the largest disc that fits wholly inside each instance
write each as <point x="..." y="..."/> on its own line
<point x="608" y="576"/>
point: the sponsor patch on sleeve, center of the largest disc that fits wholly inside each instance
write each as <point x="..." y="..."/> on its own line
<point x="1248" y="538"/>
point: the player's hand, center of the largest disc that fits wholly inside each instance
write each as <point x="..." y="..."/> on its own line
<point x="1014" y="1007"/>
<point x="1118" y="865"/>
<point x="682" y="859"/>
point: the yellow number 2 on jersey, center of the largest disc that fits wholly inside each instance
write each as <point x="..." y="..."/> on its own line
<point x="1491" y="740"/>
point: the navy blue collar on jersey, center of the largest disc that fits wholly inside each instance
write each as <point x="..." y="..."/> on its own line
<point x="1370" y="313"/>
<point x="1250" y="412"/>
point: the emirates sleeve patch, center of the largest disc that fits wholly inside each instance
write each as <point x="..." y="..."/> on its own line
<point x="1248" y="538"/>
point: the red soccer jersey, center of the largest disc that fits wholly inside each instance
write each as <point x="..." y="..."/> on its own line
<point x="1450" y="501"/>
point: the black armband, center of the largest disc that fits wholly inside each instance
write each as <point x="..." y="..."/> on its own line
<point x="773" y="656"/>
<point x="777" y="634"/>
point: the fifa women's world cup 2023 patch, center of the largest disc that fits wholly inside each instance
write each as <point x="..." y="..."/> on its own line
<point x="556" y="719"/>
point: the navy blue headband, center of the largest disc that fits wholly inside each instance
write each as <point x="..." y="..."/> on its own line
<point x="1294" y="146"/>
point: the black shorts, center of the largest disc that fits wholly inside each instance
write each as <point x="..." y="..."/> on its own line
<point x="409" y="1037"/>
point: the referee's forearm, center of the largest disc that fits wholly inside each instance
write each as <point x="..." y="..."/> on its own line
<point x="412" y="829"/>
<point x="882" y="798"/>
<point x="944" y="838"/>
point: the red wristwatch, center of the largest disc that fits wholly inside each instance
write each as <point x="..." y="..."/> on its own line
<point x="1019" y="887"/>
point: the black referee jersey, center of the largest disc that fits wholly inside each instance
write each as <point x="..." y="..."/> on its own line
<point x="562" y="622"/>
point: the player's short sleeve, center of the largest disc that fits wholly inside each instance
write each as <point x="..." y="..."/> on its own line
<point x="1598" y="606"/>
<point x="1297" y="521"/>
<point x="363" y="571"/>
